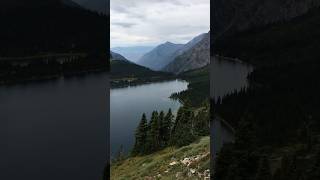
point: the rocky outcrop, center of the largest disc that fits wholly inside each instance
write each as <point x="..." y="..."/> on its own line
<point x="196" y="57"/>
<point x="230" y="16"/>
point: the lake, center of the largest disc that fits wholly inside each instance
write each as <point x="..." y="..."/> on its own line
<point x="227" y="76"/>
<point x="56" y="129"/>
<point x="128" y="104"/>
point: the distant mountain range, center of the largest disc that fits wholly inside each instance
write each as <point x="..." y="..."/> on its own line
<point x="164" y="54"/>
<point x="160" y="56"/>
<point x="132" y="53"/>
<point x="196" y="56"/>
<point x="177" y="58"/>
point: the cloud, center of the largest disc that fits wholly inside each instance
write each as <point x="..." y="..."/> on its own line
<point x="124" y="25"/>
<point x="152" y="22"/>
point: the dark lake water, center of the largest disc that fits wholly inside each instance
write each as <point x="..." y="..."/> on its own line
<point x="128" y="104"/>
<point x="227" y="76"/>
<point x="55" y="130"/>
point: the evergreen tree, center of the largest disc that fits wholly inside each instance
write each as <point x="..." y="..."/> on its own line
<point x="201" y="123"/>
<point x="167" y="125"/>
<point x="182" y="131"/>
<point x="161" y="129"/>
<point x="154" y="135"/>
<point x="141" y="136"/>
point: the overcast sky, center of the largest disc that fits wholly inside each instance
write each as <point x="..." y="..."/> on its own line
<point x="152" y="22"/>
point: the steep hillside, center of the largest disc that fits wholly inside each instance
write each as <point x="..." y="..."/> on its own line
<point x="100" y="6"/>
<point x="280" y="43"/>
<point x="196" y="57"/>
<point x="231" y="16"/>
<point x="159" y="56"/>
<point x="164" y="54"/>
<point x="116" y="56"/>
<point x="50" y="26"/>
<point x="187" y="163"/>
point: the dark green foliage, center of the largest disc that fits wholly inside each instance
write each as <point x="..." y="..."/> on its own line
<point x="163" y="130"/>
<point x="281" y="105"/>
<point x="198" y="89"/>
<point x="166" y="127"/>
<point x="239" y="160"/>
<point x="202" y="121"/>
<point x="154" y="133"/>
<point x="141" y="137"/>
<point x="182" y="133"/>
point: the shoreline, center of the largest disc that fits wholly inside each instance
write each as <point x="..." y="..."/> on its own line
<point x="35" y="79"/>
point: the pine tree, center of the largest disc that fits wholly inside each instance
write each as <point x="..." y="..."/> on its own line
<point x="182" y="131"/>
<point x="141" y="136"/>
<point x="167" y="125"/>
<point x="161" y="129"/>
<point x="153" y="135"/>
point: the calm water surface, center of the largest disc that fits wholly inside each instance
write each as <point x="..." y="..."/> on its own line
<point x="128" y="104"/>
<point x="227" y="76"/>
<point x="55" y="130"/>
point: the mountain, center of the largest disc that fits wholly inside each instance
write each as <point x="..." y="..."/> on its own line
<point x="231" y="16"/>
<point x="133" y="53"/>
<point x="100" y="6"/>
<point x="160" y="56"/>
<point x="164" y="54"/>
<point x="196" y="57"/>
<point x="55" y="26"/>
<point x="125" y="73"/>
<point x="116" y="56"/>
<point x="190" y="44"/>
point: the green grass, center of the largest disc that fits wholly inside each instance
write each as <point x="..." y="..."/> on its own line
<point x="151" y="165"/>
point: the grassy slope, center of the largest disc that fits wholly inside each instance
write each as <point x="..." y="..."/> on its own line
<point x="158" y="163"/>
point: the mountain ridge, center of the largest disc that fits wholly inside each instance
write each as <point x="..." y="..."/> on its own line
<point x="197" y="56"/>
<point x="165" y="53"/>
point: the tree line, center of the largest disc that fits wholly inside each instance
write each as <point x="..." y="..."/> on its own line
<point x="164" y="129"/>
